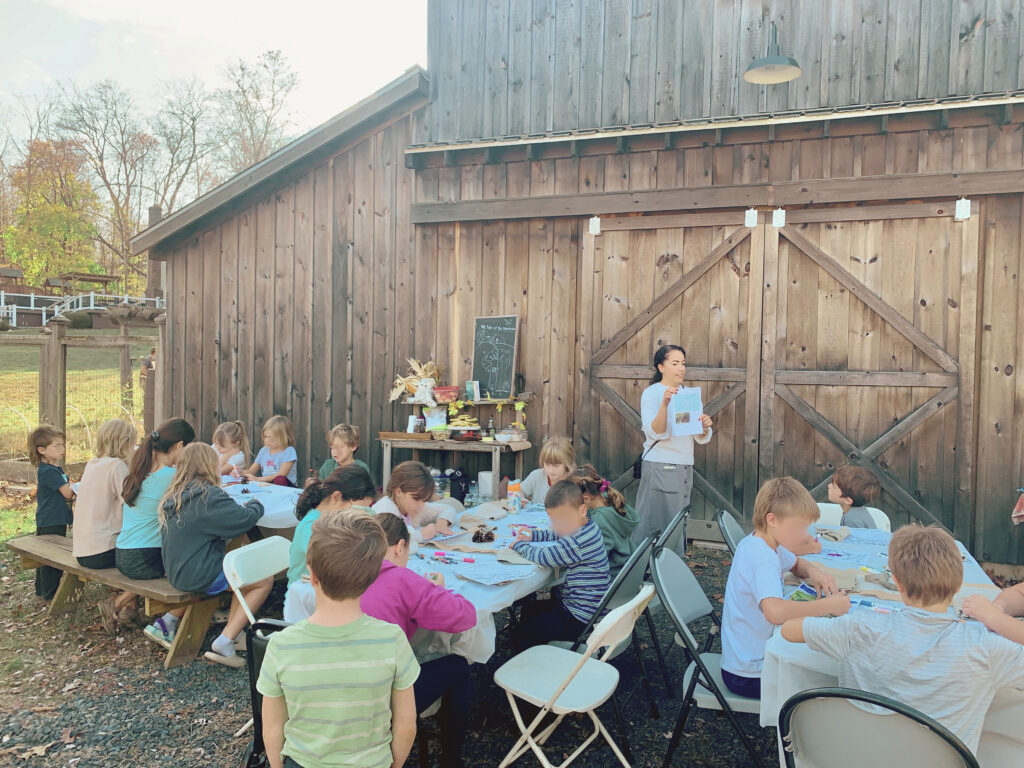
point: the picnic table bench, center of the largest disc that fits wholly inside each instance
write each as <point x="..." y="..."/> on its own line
<point x="160" y="596"/>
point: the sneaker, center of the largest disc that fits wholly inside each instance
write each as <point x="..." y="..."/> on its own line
<point x="159" y="633"/>
<point x="129" y="617"/>
<point x="234" y="660"/>
<point x="108" y="615"/>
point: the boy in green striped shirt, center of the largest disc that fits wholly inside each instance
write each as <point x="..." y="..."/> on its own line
<point x="338" y="687"/>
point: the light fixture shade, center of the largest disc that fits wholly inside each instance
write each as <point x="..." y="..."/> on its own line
<point x="772" y="69"/>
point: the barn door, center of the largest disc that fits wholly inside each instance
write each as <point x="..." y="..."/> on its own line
<point x="867" y="314"/>
<point x="653" y="280"/>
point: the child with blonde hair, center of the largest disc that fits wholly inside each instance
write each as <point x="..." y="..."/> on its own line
<point x="410" y="494"/>
<point x="343" y="442"/>
<point x="276" y="460"/>
<point x="98" y="511"/>
<point x="608" y="508"/>
<point x="232" y="445"/>
<point x="923" y="655"/>
<point x="754" y="600"/>
<point x="197" y="519"/>
<point x="557" y="460"/>
<point x="46" y="451"/>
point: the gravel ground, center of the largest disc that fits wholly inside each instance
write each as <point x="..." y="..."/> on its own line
<point x="71" y="695"/>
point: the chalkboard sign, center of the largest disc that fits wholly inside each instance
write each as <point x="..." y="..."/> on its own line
<point x="495" y="344"/>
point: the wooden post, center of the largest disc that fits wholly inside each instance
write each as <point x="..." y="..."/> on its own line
<point x="153" y="267"/>
<point x="161" y="370"/>
<point x="148" y="384"/>
<point x="53" y="374"/>
<point x="127" y="393"/>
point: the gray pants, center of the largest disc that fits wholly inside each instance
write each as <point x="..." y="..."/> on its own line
<point x="664" y="491"/>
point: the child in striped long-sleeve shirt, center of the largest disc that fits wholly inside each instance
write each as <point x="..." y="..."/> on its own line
<point x="579" y="549"/>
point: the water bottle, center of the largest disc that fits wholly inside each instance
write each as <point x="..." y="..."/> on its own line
<point x="442" y="487"/>
<point x="472" y="495"/>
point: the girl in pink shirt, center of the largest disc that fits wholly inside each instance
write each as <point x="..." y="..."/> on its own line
<point x="400" y="596"/>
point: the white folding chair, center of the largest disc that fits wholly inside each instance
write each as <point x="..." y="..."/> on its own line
<point x="824" y="728"/>
<point x="831" y="514"/>
<point x="674" y="536"/>
<point x="253" y="563"/>
<point x="562" y="682"/>
<point x="880" y="519"/>
<point x="685" y="601"/>
<point x="730" y="528"/>
<point x="249" y="565"/>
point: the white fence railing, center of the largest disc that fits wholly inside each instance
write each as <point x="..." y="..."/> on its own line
<point x="49" y="306"/>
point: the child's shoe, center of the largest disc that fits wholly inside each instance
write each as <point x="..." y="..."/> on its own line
<point x="159" y="632"/>
<point x="108" y="615"/>
<point x="222" y="651"/>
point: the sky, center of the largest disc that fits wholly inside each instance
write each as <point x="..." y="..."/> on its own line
<point x="342" y="51"/>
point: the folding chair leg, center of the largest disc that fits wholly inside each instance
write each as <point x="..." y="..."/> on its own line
<point x="744" y="737"/>
<point x="657" y="650"/>
<point x="677" y="734"/>
<point x="611" y="742"/>
<point x="622" y="729"/>
<point x="647" y="682"/>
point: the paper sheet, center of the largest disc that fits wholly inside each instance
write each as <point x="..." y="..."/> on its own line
<point x="686" y="412"/>
<point x="494" y="573"/>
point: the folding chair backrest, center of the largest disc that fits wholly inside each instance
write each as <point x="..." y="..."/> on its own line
<point x="674" y="536"/>
<point x="831" y="514"/>
<point x="255" y="562"/>
<point x="823" y="727"/>
<point x="256" y="639"/>
<point x="880" y="519"/>
<point x="730" y="528"/>
<point x="679" y="591"/>
<point x="617" y="625"/>
<point x="624" y="586"/>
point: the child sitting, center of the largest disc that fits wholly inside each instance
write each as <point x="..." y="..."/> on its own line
<point x="411" y="601"/>
<point x="343" y="441"/>
<point x="754" y="603"/>
<point x="608" y="508"/>
<point x="579" y="549"/>
<point x="409" y="494"/>
<point x="232" y="445"/>
<point x="1000" y="615"/>
<point x="854" y="488"/>
<point x="345" y="488"/>
<point x="98" y="510"/>
<point x="275" y="463"/>
<point x="923" y="655"/>
<point x="338" y="687"/>
<point x="197" y="517"/>
<point x="53" y="492"/>
<point x="557" y="460"/>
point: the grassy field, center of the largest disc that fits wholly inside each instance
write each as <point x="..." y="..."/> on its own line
<point x="93" y="394"/>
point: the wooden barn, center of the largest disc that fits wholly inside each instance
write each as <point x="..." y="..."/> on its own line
<point x="859" y="314"/>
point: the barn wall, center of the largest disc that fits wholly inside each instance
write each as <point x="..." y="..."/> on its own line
<point x="512" y="67"/>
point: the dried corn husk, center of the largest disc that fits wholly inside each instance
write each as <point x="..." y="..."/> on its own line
<point x="406" y="385"/>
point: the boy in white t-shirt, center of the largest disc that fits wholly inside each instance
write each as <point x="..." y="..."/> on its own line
<point x="754" y="601"/>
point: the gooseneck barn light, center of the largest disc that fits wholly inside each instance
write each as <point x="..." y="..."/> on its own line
<point x="774" y="67"/>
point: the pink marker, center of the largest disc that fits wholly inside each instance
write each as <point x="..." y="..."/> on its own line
<point x="468" y="560"/>
<point x="439" y="554"/>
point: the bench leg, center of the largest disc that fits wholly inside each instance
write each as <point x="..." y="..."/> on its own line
<point x="67" y="596"/>
<point x="191" y="633"/>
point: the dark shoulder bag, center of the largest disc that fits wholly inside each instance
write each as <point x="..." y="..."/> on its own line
<point x="638" y="465"/>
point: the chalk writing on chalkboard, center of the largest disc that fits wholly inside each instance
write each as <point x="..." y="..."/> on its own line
<point x="495" y="342"/>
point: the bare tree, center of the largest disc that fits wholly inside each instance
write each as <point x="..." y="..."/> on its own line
<point x="103" y="122"/>
<point x="252" y="121"/>
<point x="183" y="128"/>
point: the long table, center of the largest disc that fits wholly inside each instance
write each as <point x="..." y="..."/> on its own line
<point x="477" y="644"/>
<point x="793" y="667"/>
<point x="278" y="502"/>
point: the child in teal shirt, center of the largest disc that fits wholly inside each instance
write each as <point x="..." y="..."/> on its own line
<point x="345" y="488"/>
<point x="609" y="510"/>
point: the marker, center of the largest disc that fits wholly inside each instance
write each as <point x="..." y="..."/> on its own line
<point x="468" y="560"/>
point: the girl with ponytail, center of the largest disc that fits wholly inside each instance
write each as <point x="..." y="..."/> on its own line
<point x="349" y="487"/>
<point x="609" y="510"/>
<point x="150" y="473"/>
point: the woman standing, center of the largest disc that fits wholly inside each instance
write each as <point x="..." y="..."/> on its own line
<point x="667" y="467"/>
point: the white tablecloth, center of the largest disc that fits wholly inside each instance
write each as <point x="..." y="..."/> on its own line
<point x="477" y="644"/>
<point x="793" y="667"/>
<point x="278" y="502"/>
